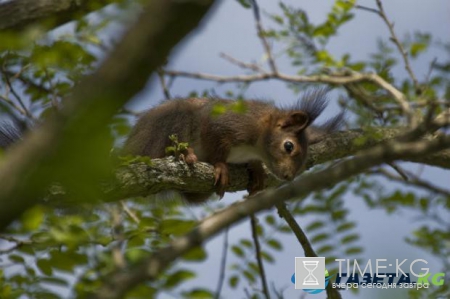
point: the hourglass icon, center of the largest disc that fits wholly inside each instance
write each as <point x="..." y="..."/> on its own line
<point x="310" y="279"/>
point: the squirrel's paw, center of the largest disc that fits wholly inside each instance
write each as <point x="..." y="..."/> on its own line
<point x="188" y="156"/>
<point x="221" y="178"/>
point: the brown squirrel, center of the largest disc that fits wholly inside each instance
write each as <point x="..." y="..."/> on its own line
<point x="263" y="133"/>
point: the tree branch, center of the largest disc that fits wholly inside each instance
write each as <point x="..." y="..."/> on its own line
<point x="262" y="272"/>
<point x="141" y="179"/>
<point x="118" y="283"/>
<point x="332" y="293"/>
<point x="338" y="78"/>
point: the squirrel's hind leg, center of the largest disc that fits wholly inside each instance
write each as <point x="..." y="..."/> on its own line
<point x="256" y="177"/>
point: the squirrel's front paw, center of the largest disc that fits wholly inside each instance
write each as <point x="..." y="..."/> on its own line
<point x="221" y="178"/>
<point x="189" y="156"/>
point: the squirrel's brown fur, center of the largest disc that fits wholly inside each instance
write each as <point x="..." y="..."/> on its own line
<point x="262" y="133"/>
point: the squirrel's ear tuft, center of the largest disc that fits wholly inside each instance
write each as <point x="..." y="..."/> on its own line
<point x="313" y="102"/>
<point x="296" y="121"/>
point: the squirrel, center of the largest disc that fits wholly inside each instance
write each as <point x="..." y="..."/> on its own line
<point x="263" y="133"/>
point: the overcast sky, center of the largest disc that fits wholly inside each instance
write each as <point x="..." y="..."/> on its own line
<point x="230" y="29"/>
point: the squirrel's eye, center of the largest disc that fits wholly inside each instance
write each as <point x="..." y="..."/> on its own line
<point x="288" y="146"/>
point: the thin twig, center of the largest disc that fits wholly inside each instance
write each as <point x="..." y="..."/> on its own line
<point x="333" y="78"/>
<point x="399" y="170"/>
<point x="241" y="64"/>
<point x="25" y="110"/>
<point x="18" y="244"/>
<point x="295" y="227"/>
<point x="396" y="41"/>
<point x="222" y="265"/>
<point x="162" y="81"/>
<point x="413" y="182"/>
<point x="263" y="39"/>
<point x="129" y="212"/>
<point x="369" y="9"/>
<point x="304" y="242"/>
<point x="117" y="234"/>
<point x="262" y="273"/>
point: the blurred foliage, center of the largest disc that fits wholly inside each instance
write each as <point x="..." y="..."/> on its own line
<point x="54" y="252"/>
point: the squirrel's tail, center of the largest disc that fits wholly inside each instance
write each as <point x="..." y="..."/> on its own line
<point x="318" y="133"/>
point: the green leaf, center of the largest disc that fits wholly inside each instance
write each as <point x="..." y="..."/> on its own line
<point x="324" y="249"/>
<point x="246" y="243"/>
<point x="178" y="277"/>
<point x="267" y="256"/>
<point x="196" y="254"/>
<point x="315" y="225"/>
<point x="233" y="281"/>
<point x="349" y="238"/>
<point x="198" y="294"/>
<point x="33" y="218"/>
<point x="177" y="227"/>
<point x="45" y="266"/>
<point x="136" y="254"/>
<point x="275" y="244"/>
<point x="250" y="277"/>
<point x="270" y="220"/>
<point x="135" y="241"/>
<point x="16" y="258"/>
<point x="245" y="3"/>
<point x="353" y="251"/>
<point x="237" y="251"/>
<point x="320" y="237"/>
<point x="345" y="226"/>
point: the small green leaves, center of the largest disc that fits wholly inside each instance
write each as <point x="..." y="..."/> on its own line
<point x="177" y="147"/>
<point x="178" y="277"/>
<point x="245" y="3"/>
<point x="198" y="294"/>
<point x="197" y="254"/>
<point x="233" y="281"/>
<point x="45" y="266"/>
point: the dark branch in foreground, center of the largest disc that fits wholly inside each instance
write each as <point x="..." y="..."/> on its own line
<point x="60" y="145"/>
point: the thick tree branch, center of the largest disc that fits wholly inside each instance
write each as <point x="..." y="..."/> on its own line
<point x="17" y="14"/>
<point x="140" y="179"/>
<point x="71" y="147"/>
<point x="118" y="283"/>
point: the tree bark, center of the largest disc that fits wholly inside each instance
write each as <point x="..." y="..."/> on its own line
<point x="141" y="179"/>
<point x="17" y="14"/>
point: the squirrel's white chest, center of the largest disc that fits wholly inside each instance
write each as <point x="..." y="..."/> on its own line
<point x="244" y="154"/>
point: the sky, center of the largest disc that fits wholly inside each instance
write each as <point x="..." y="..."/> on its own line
<point x="230" y="29"/>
